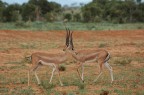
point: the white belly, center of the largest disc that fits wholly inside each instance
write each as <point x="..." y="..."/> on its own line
<point x="90" y="61"/>
<point x="46" y="63"/>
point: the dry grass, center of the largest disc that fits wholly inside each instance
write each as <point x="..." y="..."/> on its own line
<point x="126" y="59"/>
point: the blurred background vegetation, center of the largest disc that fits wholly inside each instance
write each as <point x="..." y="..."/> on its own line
<point x="41" y="13"/>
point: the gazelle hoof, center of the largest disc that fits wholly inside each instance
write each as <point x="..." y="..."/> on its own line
<point x="62" y="85"/>
<point x="39" y="84"/>
<point x="94" y="81"/>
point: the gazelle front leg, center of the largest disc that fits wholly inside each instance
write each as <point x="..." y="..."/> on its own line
<point x="33" y="69"/>
<point x="81" y="76"/>
<point x="35" y="73"/>
<point x="35" y="76"/>
<point x="54" y="68"/>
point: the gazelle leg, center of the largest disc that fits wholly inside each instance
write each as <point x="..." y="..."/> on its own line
<point x="98" y="76"/>
<point x="35" y="69"/>
<point x="54" y="68"/>
<point x="82" y="72"/>
<point x="110" y="70"/>
<point x="59" y="76"/>
<point x="100" y="73"/>
<point x="37" y="77"/>
<point x="31" y="70"/>
<point x="29" y="78"/>
<point x="79" y="72"/>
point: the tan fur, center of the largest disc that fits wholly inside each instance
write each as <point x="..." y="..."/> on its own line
<point x="39" y="59"/>
<point x="85" y="56"/>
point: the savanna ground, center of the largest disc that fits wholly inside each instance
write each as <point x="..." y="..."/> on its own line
<point x="127" y="60"/>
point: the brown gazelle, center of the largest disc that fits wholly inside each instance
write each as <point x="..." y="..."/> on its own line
<point x="85" y="56"/>
<point x="45" y="59"/>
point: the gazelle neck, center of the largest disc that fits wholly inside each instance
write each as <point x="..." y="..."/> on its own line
<point x="74" y="54"/>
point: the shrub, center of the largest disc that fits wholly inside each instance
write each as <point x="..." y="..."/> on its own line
<point x="101" y="45"/>
<point x="62" y="68"/>
<point x="50" y="17"/>
<point x="68" y="16"/>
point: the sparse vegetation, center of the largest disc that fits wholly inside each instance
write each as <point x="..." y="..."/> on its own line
<point x="81" y="86"/>
<point x="62" y="67"/>
<point x="123" y="61"/>
<point x="102" y="45"/>
<point x="127" y="64"/>
<point x="28" y="46"/>
<point x="20" y="91"/>
<point x="45" y="84"/>
<point x="45" y="26"/>
<point x="40" y="16"/>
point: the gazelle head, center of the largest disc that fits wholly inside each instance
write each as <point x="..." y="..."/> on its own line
<point x="28" y="59"/>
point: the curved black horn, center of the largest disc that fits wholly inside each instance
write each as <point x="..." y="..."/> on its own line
<point x="67" y="37"/>
<point x="71" y="39"/>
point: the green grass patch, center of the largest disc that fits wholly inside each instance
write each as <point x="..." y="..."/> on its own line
<point x="28" y="46"/>
<point x="45" y="26"/>
<point x="2" y="68"/>
<point x="46" y="85"/>
<point x="102" y="45"/>
<point x="122" y="61"/>
<point x="13" y="62"/>
<point x="140" y="92"/>
<point x="139" y="59"/>
<point x="3" y="90"/>
<point x="20" y="91"/>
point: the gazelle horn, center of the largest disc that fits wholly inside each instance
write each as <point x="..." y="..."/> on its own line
<point x="67" y="37"/>
<point x="71" y="39"/>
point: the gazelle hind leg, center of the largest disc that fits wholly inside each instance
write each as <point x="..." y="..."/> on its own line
<point x="110" y="70"/>
<point x="100" y="73"/>
<point x="98" y="76"/>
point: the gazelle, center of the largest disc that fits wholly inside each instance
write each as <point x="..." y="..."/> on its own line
<point x="45" y="59"/>
<point x="85" y="56"/>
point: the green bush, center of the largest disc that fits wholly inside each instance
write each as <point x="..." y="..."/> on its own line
<point x="68" y="16"/>
<point x="21" y="24"/>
